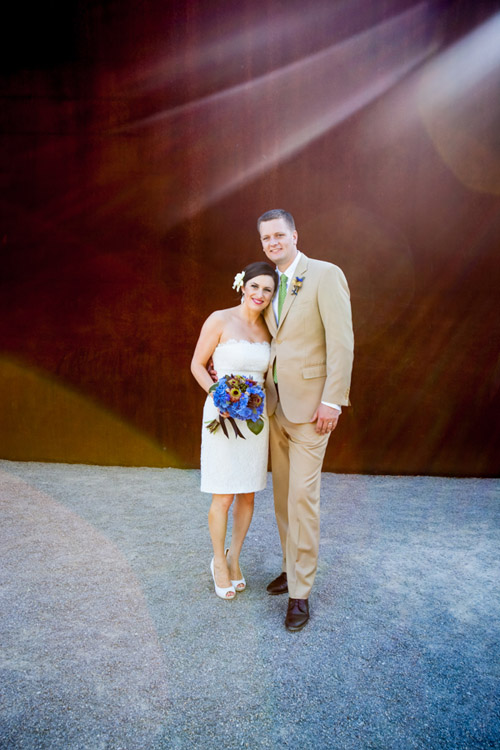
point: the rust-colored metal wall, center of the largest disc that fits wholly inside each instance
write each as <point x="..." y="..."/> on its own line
<point x="140" y="143"/>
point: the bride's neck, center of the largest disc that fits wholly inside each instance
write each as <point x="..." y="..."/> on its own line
<point x="249" y="316"/>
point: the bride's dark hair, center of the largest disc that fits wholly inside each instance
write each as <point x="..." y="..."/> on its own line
<point x="260" y="268"/>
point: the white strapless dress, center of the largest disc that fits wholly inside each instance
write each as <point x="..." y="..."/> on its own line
<point x="234" y="465"/>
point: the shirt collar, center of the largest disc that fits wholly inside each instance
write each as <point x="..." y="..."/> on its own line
<point x="291" y="269"/>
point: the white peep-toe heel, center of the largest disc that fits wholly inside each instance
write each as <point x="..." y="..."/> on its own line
<point x="224" y="593"/>
<point x="238" y="585"/>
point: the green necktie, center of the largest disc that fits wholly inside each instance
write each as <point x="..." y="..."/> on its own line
<point x="281" y="294"/>
<point x="281" y="299"/>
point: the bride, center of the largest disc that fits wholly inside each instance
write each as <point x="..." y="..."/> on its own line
<point x="237" y="339"/>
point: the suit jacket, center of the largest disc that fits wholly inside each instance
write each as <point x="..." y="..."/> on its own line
<point x="313" y="344"/>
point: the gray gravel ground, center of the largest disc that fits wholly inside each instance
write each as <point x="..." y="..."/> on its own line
<point x="113" y="638"/>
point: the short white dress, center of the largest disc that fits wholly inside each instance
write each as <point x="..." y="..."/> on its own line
<point x="232" y="465"/>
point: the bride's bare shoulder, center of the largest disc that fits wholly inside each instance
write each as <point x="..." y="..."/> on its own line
<point x="222" y="316"/>
<point x="219" y="319"/>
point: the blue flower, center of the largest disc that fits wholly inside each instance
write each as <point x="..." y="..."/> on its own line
<point x="252" y="403"/>
<point x="221" y="395"/>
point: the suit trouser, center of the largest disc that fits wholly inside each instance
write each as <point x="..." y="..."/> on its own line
<point x="297" y="453"/>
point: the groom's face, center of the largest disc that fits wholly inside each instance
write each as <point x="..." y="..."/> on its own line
<point x="279" y="242"/>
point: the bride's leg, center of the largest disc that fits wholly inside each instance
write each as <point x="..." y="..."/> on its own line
<point x="217" y="524"/>
<point x="242" y="517"/>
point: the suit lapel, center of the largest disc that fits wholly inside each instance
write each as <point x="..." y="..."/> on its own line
<point x="270" y="319"/>
<point x="300" y="271"/>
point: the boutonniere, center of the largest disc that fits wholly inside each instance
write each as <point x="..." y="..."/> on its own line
<point x="297" y="283"/>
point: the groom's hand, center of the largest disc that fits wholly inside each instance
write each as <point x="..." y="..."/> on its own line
<point x="326" y="419"/>
<point x="212" y="371"/>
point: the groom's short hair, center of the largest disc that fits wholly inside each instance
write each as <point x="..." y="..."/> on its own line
<point x="276" y="213"/>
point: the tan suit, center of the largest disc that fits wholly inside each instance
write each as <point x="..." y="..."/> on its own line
<point x="313" y="349"/>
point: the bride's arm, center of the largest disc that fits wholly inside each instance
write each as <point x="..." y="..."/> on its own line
<point x="208" y="340"/>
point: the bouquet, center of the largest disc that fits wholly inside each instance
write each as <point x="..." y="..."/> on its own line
<point x="241" y="398"/>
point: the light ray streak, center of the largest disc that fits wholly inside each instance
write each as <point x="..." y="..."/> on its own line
<point x="215" y="55"/>
<point x="233" y="136"/>
<point x="457" y="71"/>
<point x="382" y="34"/>
<point x="458" y="100"/>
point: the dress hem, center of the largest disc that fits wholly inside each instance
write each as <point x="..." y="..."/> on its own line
<point x="233" y="491"/>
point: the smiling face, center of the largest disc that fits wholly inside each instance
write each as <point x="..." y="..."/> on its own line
<point x="259" y="292"/>
<point x="279" y="242"/>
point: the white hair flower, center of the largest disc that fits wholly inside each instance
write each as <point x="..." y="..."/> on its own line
<point x="238" y="280"/>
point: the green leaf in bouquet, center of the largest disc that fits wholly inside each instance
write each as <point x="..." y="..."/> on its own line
<point x="255" y="427"/>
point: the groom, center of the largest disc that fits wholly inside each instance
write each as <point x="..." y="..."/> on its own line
<point x="307" y="383"/>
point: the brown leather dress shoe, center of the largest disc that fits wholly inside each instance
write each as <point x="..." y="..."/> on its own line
<point x="297" y="614"/>
<point x="279" y="585"/>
